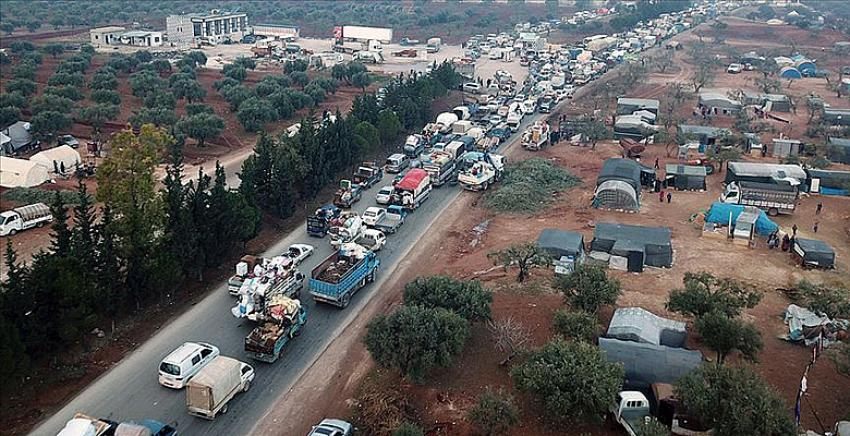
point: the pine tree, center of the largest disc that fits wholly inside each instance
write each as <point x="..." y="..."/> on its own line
<point x="61" y="235"/>
<point x="197" y="199"/>
<point x="83" y="237"/>
<point x="221" y="231"/>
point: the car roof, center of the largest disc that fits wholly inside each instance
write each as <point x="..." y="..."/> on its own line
<point x="396" y="156"/>
<point x="183" y="352"/>
<point x="338" y="423"/>
<point x="373" y="209"/>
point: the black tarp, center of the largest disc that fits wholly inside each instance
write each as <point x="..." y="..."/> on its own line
<point x="648" y="363"/>
<point x="633" y="251"/>
<point x="561" y="243"/>
<point x="815" y="253"/>
<point x="656" y="242"/>
<point x="625" y="170"/>
<point x="830" y="179"/>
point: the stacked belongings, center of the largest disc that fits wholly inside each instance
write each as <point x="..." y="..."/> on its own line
<point x="808" y="327"/>
<point x="266" y="279"/>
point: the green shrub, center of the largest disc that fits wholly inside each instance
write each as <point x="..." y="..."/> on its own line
<point x="529" y="186"/>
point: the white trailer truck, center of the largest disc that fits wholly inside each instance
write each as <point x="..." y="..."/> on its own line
<point x="24" y="217"/>
<point x="774" y="198"/>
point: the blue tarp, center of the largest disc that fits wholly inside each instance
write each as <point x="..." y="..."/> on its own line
<point x="719" y="214"/>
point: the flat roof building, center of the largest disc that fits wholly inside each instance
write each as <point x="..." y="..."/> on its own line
<point x="142" y="38"/>
<point x="215" y="27"/>
<point x="276" y="31"/>
<point x="108" y="35"/>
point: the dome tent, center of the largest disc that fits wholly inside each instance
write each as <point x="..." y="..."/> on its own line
<point x="790" y="73"/>
<point x="618" y="185"/>
<point x="54" y="158"/>
<point x="21" y="173"/>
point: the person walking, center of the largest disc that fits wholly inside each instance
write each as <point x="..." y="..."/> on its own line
<point x="669" y="197"/>
<point x="656" y="163"/>
<point x="819" y="208"/>
<point x="794" y="230"/>
<point x="815" y="227"/>
<point x="661" y="196"/>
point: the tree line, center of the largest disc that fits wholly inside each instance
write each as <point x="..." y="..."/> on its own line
<point x="292" y="168"/>
<point x="134" y="251"/>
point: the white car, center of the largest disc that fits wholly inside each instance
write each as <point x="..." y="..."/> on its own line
<point x="529" y="106"/>
<point x="332" y="427"/>
<point x="183" y="363"/>
<point x="299" y="252"/>
<point x="384" y="195"/>
<point x="735" y="68"/>
<point x="373" y="214"/>
<point x="247" y="376"/>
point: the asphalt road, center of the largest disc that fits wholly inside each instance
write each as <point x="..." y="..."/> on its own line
<point x="130" y="390"/>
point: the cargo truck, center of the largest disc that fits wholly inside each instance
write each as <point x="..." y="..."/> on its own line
<point x="259" y="293"/>
<point x="630" y="411"/>
<point x="82" y="424"/>
<point x="285" y="318"/>
<point x="434" y="45"/>
<point x="211" y="389"/>
<point x="772" y="198"/>
<point x="412" y="190"/>
<point x="440" y="168"/>
<point x="342" y="274"/>
<point x="483" y="172"/>
<point x="391" y="220"/>
<point x="24" y="217"/>
<point x="347" y="194"/>
<point x="253" y="267"/>
<point x="345" y="229"/>
<point x="367" y="175"/>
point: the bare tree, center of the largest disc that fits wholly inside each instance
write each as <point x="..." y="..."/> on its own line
<point x="510" y="336"/>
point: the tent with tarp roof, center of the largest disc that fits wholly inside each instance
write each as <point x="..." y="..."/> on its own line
<point x="640" y="245"/>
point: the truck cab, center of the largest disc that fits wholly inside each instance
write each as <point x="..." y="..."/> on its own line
<point x="320" y="222"/>
<point x="630" y="410"/>
<point x="367" y="175"/>
<point x="414" y="145"/>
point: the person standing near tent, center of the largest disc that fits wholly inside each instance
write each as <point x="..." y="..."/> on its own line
<point x="656" y="163"/>
<point x="794" y="230"/>
<point x="661" y="196"/>
<point x="815" y="227"/>
<point x="669" y="197"/>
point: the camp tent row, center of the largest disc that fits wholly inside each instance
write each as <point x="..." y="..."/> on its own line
<point x="23" y="173"/>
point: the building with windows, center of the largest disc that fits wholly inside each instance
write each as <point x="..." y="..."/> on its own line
<point x="214" y="27"/>
<point x="142" y="38"/>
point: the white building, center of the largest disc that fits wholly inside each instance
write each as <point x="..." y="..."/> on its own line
<point x="141" y="38"/>
<point x="215" y="27"/>
<point x="109" y="35"/>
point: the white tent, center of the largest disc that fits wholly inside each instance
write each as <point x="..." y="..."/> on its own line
<point x="61" y="155"/>
<point x="21" y="173"/>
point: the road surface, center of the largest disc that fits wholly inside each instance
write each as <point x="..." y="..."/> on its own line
<point x="130" y="390"/>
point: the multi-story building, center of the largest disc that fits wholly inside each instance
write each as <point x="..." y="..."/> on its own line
<point x="213" y="27"/>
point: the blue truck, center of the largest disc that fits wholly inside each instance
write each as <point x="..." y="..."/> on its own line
<point x="342" y="274"/>
<point x="267" y="340"/>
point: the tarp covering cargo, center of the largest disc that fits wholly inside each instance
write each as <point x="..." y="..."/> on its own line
<point x="640" y="325"/>
<point x="411" y="180"/>
<point x="128" y="429"/>
<point x="648" y="363"/>
<point x="814" y="253"/>
<point x="561" y="243"/>
<point x="807" y="327"/>
<point x="765" y="173"/>
<point x="655" y="240"/>
<point x="720" y="214"/>
<point x="214" y="383"/>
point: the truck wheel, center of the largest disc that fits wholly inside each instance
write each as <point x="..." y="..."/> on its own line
<point x="773" y="211"/>
<point x="40" y="224"/>
<point x="486" y="185"/>
<point x="12" y="232"/>
<point x="346" y="299"/>
<point x="224" y="409"/>
<point x="247" y="386"/>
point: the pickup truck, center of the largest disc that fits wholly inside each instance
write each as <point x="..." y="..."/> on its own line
<point x="347" y="194"/>
<point x="82" y="424"/>
<point x="320" y="222"/>
<point x="212" y="388"/>
<point x="391" y="220"/>
<point x="371" y="239"/>
<point x="24" y="217"/>
<point x="342" y="274"/>
<point x="630" y="410"/>
<point x="287" y="318"/>
<point x="250" y="268"/>
<point x="367" y="175"/>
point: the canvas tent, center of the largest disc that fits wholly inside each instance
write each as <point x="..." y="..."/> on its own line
<point x="829" y="182"/>
<point x="21" y="173"/>
<point x="559" y="243"/>
<point x="618" y="185"/>
<point x="640" y="245"/>
<point x="640" y="325"/>
<point x="838" y="149"/>
<point x="646" y="364"/>
<point x="686" y="177"/>
<point x="764" y="173"/>
<point x="19" y="137"/>
<point x="814" y="253"/>
<point x="57" y="158"/>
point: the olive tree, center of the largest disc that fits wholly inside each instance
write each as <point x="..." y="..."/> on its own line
<point x="588" y="288"/>
<point x="468" y="299"/>
<point x="704" y="293"/>
<point x="200" y="127"/>
<point x="524" y="256"/>
<point x="560" y="375"/>
<point x="414" y="340"/>
<point x="724" y="335"/>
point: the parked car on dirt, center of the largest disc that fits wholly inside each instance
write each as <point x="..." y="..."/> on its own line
<point x="68" y="140"/>
<point x="472" y="88"/>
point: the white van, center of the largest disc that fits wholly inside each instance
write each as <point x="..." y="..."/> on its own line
<point x="397" y="163"/>
<point x="183" y="363"/>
